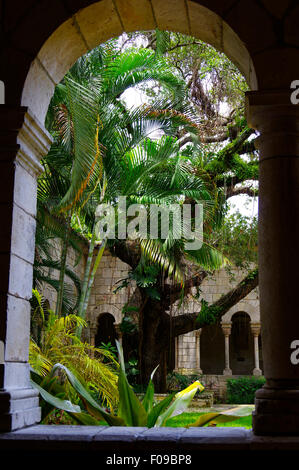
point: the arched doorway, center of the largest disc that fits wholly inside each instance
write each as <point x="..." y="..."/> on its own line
<point x="105" y="332"/>
<point x="241" y="345"/>
<point x="212" y="350"/>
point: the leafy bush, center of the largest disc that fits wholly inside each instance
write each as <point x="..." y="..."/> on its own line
<point x="242" y="390"/>
<point x="177" y="382"/>
<point x="58" y="343"/>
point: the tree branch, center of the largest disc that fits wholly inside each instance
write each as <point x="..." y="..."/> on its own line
<point x="171" y="293"/>
<point x="231" y="191"/>
<point x="210" y="314"/>
<point x="127" y="251"/>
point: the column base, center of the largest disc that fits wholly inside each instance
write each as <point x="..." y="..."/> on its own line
<point x="227" y="372"/>
<point x="19" y="408"/>
<point x="276" y="411"/>
<point x="257" y="372"/>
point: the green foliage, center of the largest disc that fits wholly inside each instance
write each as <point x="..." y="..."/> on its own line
<point x="131" y="411"/>
<point x="177" y="381"/>
<point x="58" y="342"/>
<point x="51" y="229"/>
<point x="38" y="308"/>
<point x="238" y="239"/>
<point x="185" y="53"/>
<point x="128" y="325"/>
<point x="110" y="348"/>
<point x="103" y="150"/>
<point x="242" y="390"/>
<point x="188" y="419"/>
<point x="208" y="314"/>
<point x="132" y="371"/>
<point x="145" y="275"/>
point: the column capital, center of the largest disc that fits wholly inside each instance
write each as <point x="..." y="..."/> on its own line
<point x="92" y="329"/>
<point x="272" y="113"/>
<point x="273" y="104"/>
<point x="198" y="332"/>
<point x="255" y="328"/>
<point x="118" y="330"/>
<point x="226" y="328"/>
<point x="24" y="137"/>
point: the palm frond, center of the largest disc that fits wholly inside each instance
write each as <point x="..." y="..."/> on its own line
<point x="60" y="344"/>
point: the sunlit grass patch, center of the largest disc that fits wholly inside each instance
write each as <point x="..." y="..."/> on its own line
<point x="188" y="418"/>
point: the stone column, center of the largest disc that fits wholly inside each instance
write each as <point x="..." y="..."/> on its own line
<point x="176" y="353"/>
<point x="119" y="333"/>
<point x="197" y="336"/>
<point x="93" y="332"/>
<point x="277" y="120"/>
<point x="23" y="141"/>
<point x="92" y="336"/>
<point x="256" y="329"/>
<point x="226" y="328"/>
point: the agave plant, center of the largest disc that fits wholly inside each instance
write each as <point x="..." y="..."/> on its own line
<point x="131" y="411"/>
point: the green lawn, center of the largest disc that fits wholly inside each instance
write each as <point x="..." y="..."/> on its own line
<point x="188" y="418"/>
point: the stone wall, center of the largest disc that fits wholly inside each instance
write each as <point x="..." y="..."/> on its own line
<point x="75" y="261"/>
<point x="103" y="299"/>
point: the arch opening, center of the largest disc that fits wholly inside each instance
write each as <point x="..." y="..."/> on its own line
<point x="106" y="332"/>
<point x="103" y="20"/>
<point x="49" y="67"/>
<point x="241" y="345"/>
<point x="212" y="350"/>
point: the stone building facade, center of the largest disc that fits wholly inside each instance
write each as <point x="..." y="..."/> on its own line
<point x="216" y="352"/>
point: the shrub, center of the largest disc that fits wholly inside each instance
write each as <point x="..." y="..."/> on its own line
<point x="242" y="390"/>
<point x="58" y="343"/>
<point x="177" y="382"/>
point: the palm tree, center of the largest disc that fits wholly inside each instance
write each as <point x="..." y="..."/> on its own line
<point x="50" y="232"/>
<point x="104" y="147"/>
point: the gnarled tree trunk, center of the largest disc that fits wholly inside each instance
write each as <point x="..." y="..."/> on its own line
<point x="154" y="341"/>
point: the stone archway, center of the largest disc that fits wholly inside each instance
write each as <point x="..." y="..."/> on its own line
<point x="106" y="308"/>
<point x="105" y="332"/>
<point x="271" y="35"/>
<point x="212" y="350"/>
<point x="105" y="19"/>
<point x="84" y="30"/>
<point x="104" y="324"/>
<point x="241" y="345"/>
